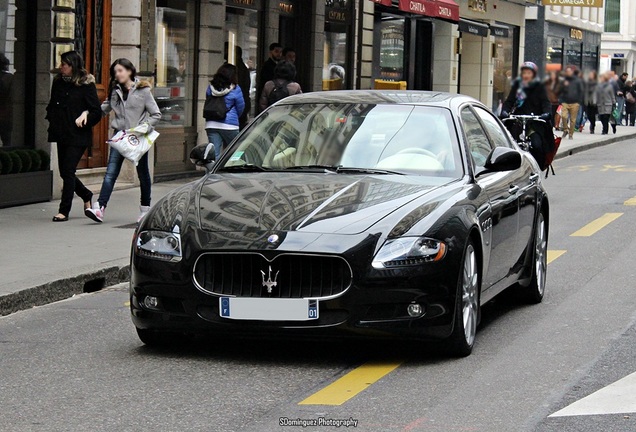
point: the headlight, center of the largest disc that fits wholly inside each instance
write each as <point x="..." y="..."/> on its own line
<point x="408" y="251"/>
<point x="161" y="245"/>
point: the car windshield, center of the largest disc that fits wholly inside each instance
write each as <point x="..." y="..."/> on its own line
<point x="350" y="138"/>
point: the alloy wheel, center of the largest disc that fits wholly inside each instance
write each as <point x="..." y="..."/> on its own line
<point x="541" y="255"/>
<point x="470" y="287"/>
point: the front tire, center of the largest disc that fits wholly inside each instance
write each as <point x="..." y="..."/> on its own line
<point x="467" y="307"/>
<point x="534" y="292"/>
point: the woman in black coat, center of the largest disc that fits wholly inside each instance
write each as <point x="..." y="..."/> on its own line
<point x="528" y="96"/>
<point x="72" y="112"/>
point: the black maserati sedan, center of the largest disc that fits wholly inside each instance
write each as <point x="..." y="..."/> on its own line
<point x="383" y="214"/>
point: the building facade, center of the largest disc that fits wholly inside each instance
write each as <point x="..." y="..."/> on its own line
<point x="618" y="45"/>
<point x="561" y="36"/>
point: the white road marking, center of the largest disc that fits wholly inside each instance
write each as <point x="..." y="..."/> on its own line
<point x="616" y="398"/>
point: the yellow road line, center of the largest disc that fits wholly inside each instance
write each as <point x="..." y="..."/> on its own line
<point x="596" y="225"/>
<point x="127" y="304"/>
<point x="343" y="389"/>
<point x="631" y="202"/>
<point x="554" y="254"/>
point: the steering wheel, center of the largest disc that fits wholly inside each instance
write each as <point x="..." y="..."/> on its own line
<point x="417" y="150"/>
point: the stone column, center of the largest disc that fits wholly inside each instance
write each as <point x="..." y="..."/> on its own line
<point x="364" y="45"/>
<point x="317" y="45"/>
<point x="445" y="57"/>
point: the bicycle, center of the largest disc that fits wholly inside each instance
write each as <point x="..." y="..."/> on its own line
<point x="524" y="139"/>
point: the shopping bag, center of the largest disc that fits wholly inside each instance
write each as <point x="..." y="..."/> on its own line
<point x="134" y="143"/>
<point x="616" y="115"/>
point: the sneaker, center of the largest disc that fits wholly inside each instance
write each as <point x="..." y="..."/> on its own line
<point x="570" y="137"/>
<point x="143" y="210"/>
<point x="96" y="213"/>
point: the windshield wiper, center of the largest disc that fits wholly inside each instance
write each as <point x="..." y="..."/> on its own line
<point x="244" y="168"/>
<point x="354" y="170"/>
<point x="302" y="167"/>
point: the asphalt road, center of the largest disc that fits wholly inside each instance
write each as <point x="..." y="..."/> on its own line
<point x="77" y="365"/>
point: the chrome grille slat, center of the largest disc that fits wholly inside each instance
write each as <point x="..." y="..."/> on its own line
<point x="300" y="275"/>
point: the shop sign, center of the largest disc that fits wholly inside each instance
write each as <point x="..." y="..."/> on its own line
<point x="478" y="5"/>
<point x="286" y="8"/>
<point x="576" y="34"/>
<point x="618" y="55"/>
<point x="471" y="27"/>
<point x="65" y="4"/>
<point x="500" y="31"/>
<point x="578" y="3"/>
<point x="64" y="25"/>
<point x="244" y="4"/>
<point x="448" y="10"/>
<point x="337" y="11"/>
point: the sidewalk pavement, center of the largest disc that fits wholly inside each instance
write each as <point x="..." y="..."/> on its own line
<point x="42" y="261"/>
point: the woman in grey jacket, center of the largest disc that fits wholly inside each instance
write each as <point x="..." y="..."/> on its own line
<point x="133" y="104"/>
<point x="606" y="101"/>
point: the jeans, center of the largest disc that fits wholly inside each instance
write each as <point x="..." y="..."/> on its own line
<point x="605" y="121"/>
<point x="221" y="138"/>
<point x="579" y="118"/>
<point x="568" y="114"/>
<point x="115" y="161"/>
<point x="592" y="112"/>
<point x="67" y="159"/>
<point x="621" y="106"/>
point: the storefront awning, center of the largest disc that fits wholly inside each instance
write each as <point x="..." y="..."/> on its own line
<point x="473" y="27"/>
<point x="443" y="9"/>
<point x="382" y="2"/>
<point x="500" y="30"/>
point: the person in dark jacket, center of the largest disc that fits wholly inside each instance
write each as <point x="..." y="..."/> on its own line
<point x="72" y="112"/>
<point x="283" y="79"/>
<point x="553" y="85"/>
<point x="528" y="96"/>
<point x="267" y="71"/>
<point x="571" y="99"/>
<point x="245" y="82"/>
<point x="630" y="103"/>
<point x="589" y="100"/>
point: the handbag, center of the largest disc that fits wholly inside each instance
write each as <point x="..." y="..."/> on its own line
<point x="134" y="143"/>
<point x="630" y="98"/>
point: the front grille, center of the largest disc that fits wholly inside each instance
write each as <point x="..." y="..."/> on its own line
<point x="248" y="274"/>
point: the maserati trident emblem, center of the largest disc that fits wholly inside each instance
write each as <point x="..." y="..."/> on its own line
<point x="269" y="283"/>
<point x="272" y="239"/>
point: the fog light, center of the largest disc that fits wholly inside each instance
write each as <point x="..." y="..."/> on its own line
<point x="415" y="310"/>
<point x="151" y="302"/>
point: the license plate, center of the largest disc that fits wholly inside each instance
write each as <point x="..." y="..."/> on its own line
<point x="268" y="309"/>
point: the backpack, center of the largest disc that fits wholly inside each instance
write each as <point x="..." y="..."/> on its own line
<point x="214" y="108"/>
<point x="279" y="92"/>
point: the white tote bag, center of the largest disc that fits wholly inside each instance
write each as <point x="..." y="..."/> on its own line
<point x="134" y="143"/>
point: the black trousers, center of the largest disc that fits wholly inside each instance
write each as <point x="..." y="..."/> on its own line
<point x="630" y="118"/>
<point x="592" y="112"/>
<point x="67" y="159"/>
<point x="605" y="118"/>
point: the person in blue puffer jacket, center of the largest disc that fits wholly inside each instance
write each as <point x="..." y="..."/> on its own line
<point x="225" y="84"/>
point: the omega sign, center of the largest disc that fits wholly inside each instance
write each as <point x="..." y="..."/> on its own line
<point x="579" y="3"/>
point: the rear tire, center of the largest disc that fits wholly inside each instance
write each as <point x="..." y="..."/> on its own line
<point x="467" y="309"/>
<point x="534" y="292"/>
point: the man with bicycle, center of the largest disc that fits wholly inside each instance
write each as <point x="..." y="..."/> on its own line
<point x="528" y="96"/>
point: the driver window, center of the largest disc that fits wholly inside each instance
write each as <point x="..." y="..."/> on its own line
<point x="478" y="142"/>
<point x="497" y="134"/>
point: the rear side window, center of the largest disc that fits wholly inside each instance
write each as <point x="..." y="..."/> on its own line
<point x="478" y="143"/>
<point x="497" y="134"/>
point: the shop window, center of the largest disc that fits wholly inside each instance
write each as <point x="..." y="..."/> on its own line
<point x="590" y="57"/>
<point x="505" y="66"/>
<point x="17" y="73"/>
<point x="613" y="16"/>
<point x="392" y="49"/>
<point x="172" y="72"/>
<point x="573" y="54"/>
<point x="554" y="54"/>
<point x="242" y="31"/>
<point x="336" y="49"/>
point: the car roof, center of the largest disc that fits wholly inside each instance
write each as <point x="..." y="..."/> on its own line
<point x="398" y="97"/>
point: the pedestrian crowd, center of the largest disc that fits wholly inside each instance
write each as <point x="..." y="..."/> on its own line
<point x="575" y="100"/>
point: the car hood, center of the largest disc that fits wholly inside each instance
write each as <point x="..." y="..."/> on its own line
<point x="305" y="202"/>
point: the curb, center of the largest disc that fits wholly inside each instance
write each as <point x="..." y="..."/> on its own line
<point x="593" y="145"/>
<point x="63" y="288"/>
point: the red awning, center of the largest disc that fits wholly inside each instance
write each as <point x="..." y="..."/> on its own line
<point x="382" y="2"/>
<point x="443" y="9"/>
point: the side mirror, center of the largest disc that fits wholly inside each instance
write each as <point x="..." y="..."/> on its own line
<point x="502" y="159"/>
<point x="203" y="156"/>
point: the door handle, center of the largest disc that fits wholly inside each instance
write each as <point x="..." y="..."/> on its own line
<point x="513" y="189"/>
<point x="534" y="177"/>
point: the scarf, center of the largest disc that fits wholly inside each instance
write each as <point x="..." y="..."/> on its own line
<point x="521" y="91"/>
